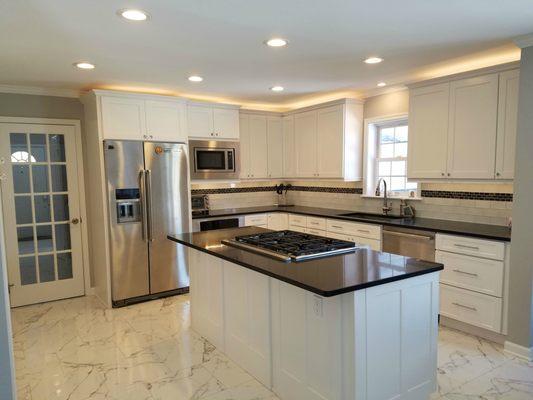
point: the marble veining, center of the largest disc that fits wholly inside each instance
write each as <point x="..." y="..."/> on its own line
<point x="76" y="349"/>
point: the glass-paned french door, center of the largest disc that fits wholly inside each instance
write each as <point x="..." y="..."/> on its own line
<point x="41" y="212"/>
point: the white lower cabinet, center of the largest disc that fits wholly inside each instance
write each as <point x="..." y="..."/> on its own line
<point x="256" y="220"/>
<point x="278" y="221"/>
<point x="372" y="244"/>
<point x="247" y="320"/>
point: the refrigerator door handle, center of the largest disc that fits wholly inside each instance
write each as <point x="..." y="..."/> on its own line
<point x="148" y="184"/>
<point x="142" y="192"/>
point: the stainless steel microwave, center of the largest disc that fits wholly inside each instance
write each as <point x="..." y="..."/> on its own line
<point x="214" y="159"/>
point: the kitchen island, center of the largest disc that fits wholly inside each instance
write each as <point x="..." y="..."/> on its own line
<point x="359" y="326"/>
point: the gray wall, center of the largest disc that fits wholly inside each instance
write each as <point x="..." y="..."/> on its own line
<point x="521" y="275"/>
<point x="25" y="105"/>
<point x="7" y="367"/>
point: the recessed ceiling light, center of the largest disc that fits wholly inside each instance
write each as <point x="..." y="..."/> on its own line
<point x="373" y="60"/>
<point x="381" y="84"/>
<point x="84" y="65"/>
<point x="134" y="15"/>
<point x="276" y="42"/>
<point x="195" y="78"/>
<point x="277" y="88"/>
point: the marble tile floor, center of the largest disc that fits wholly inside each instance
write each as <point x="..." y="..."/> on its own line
<point x="75" y="349"/>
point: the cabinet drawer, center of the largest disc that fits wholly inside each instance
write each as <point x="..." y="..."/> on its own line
<point x="297" y="228"/>
<point x="372" y="244"/>
<point x="318" y="232"/>
<point x="471" y="246"/>
<point x="255" y="220"/>
<point x="316" y="223"/>
<point x="478" y="274"/>
<point x="471" y="307"/>
<point x="353" y="228"/>
<point x="298" y="220"/>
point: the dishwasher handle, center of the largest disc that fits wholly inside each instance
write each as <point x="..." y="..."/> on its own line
<point x="409" y="235"/>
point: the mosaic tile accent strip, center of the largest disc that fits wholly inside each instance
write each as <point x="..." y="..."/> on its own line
<point x="468" y="195"/>
<point x="272" y="188"/>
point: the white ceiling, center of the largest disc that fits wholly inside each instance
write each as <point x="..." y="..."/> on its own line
<point x="221" y="40"/>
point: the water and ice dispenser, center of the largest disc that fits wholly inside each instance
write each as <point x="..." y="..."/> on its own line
<point x="128" y="205"/>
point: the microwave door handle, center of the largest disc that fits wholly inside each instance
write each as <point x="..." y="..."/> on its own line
<point x="142" y="203"/>
<point x="148" y="186"/>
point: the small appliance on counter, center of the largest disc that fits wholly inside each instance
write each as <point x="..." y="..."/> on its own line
<point x="200" y="204"/>
<point x="281" y="190"/>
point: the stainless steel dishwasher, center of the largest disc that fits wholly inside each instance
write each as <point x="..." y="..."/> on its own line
<point x="409" y="242"/>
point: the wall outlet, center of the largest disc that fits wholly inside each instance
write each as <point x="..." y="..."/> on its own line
<point x="318" y="307"/>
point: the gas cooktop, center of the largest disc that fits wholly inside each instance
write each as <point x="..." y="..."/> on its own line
<point x="289" y="245"/>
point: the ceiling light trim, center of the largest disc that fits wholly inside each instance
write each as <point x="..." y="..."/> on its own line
<point x="123" y="11"/>
<point x="276" y="42"/>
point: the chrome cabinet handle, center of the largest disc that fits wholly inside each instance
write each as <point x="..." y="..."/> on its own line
<point x="336" y="226"/>
<point x="363" y="230"/>
<point x="463" y="306"/>
<point x="464" y="246"/>
<point x="408" y="235"/>
<point x="465" y="273"/>
<point x="148" y="183"/>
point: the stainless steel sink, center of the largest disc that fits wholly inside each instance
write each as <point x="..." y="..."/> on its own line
<point x="371" y="216"/>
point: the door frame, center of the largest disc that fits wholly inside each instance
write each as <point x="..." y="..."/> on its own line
<point x="81" y="183"/>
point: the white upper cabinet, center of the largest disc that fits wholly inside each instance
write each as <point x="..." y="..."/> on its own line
<point x="254" y="143"/>
<point x="275" y="147"/>
<point x="507" y="116"/>
<point x="140" y="117"/>
<point x="289" y="148"/>
<point x="472" y="127"/>
<point x="210" y="121"/>
<point x="330" y="142"/>
<point x="305" y="128"/>
<point x="123" y="118"/>
<point x="428" y="131"/>
<point x="464" y="129"/>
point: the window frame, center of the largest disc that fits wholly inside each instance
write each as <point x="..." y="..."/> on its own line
<point x="372" y="127"/>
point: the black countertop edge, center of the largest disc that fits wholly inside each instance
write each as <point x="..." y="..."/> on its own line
<point x="481" y="231"/>
<point x="330" y="293"/>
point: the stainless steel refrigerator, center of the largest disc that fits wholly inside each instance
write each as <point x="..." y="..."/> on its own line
<point x="148" y="198"/>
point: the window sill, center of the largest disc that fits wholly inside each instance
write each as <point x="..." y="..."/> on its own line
<point x="407" y="198"/>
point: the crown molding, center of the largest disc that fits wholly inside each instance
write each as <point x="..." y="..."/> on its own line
<point x="524" y="41"/>
<point x="39" y="91"/>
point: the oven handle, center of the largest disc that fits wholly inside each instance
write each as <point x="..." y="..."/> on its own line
<point x="409" y="235"/>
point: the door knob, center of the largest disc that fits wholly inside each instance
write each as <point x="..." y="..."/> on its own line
<point x="75" y="221"/>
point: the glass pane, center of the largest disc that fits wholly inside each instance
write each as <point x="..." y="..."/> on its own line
<point x="44" y="238"/>
<point x="411" y="185"/>
<point x="46" y="268"/>
<point x="62" y="237"/>
<point x="59" y="178"/>
<point x="38" y="147"/>
<point x="400" y="150"/>
<point x="42" y="208"/>
<point x="21" y="178"/>
<point x="23" y="209"/>
<point x="386" y="150"/>
<point x="387" y="135"/>
<point x="25" y="240"/>
<point x="64" y="266"/>
<point x="19" y="147"/>
<point x="61" y="207"/>
<point x="57" y="147"/>
<point x="398" y="168"/>
<point x="28" y="272"/>
<point x="397" y="183"/>
<point x="40" y="178"/>
<point x="384" y="168"/>
<point x="401" y="133"/>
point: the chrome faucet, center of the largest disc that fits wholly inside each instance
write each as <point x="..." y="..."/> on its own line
<point x="386" y="207"/>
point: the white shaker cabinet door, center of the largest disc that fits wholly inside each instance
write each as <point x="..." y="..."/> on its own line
<point x="244" y="127"/>
<point x="428" y="131"/>
<point x="507" y="117"/>
<point x="200" y="121"/>
<point x="330" y="142"/>
<point x="289" y="148"/>
<point x="305" y="128"/>
<point x="275" y="147"/>
<point x="258" y="147"/>
<point x="165" y="120"/>
<point x="226" y="123"/>
<point x="472" y="127"/>
<point x="123" y="118"/>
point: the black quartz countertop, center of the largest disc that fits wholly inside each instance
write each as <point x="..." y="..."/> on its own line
<point x="483" y="231"/>
<point x="327" y="276"/>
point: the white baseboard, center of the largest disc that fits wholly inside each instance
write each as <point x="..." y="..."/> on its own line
<point x="472" y="330"/>
<point x="519" y="351"/>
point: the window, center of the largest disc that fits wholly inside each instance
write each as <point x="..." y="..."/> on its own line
<point x="386" y="154"/>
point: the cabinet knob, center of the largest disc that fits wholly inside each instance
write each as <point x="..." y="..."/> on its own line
<point x="497" y="174"/>
<point x="449" y="174"/>
<point x="442" y="173"/>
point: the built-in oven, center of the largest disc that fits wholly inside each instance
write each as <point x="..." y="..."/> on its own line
<point x="211" y="224"/>
<point x="214" y="159"/>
